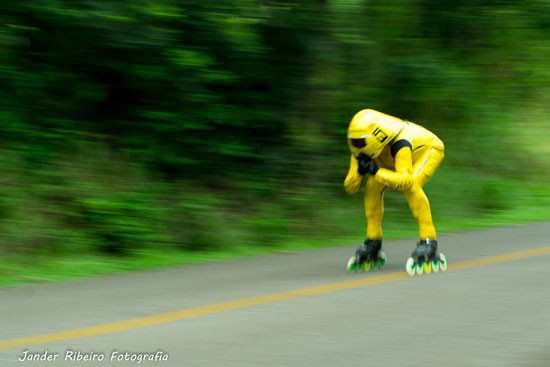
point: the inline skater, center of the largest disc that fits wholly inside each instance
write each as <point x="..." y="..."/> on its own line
<point x="392" y="153"/>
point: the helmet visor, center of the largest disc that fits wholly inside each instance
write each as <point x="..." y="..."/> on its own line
<point x="358" y="143"/>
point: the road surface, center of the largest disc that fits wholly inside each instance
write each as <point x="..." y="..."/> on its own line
<point x="492" y="308"/>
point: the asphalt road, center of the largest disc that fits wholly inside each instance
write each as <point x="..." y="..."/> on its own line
<point x="492" y="308"/>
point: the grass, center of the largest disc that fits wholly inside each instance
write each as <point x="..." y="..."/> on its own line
<point x="16" y="271"/>
<point x="460" y="201"/>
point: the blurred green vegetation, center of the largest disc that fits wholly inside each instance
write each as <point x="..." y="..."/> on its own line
<point x="178" y="127"/>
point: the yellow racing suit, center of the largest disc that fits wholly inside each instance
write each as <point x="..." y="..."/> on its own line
<point x="407" y="156"/>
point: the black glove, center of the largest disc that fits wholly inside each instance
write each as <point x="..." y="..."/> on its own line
<point x="366" y="165"/>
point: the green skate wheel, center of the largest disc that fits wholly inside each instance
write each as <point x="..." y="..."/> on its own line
<point x="352" y="264"/>
<point x="368" y="265"/>
<point x="409" y="266"/>
<point x="419" y="269"/>
<point x="381" y="261"/>
<point x="435" y="266"/>
<point x="442" y="262"/>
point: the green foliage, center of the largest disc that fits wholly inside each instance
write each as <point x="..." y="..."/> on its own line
<point x="177" y="124"/>
<point x="196" y="221"/>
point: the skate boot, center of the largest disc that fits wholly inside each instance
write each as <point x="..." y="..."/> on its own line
<point x="426" y="259"/>
<point x="367" y="257"/>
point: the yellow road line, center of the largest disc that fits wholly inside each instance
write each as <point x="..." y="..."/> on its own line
<point x="188" y="313"/>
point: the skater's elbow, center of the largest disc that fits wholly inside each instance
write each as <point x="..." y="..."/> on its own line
<point x="352" y="185"/>
<point x="351" y="189"/>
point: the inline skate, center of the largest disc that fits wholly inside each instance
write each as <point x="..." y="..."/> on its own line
<point x="367" y="257"/>
<point x="425" y="259"/>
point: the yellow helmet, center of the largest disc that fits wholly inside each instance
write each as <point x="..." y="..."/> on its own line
<point x="370" y="131"/>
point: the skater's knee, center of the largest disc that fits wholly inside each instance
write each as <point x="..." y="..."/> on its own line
<point x="415" y="192"/>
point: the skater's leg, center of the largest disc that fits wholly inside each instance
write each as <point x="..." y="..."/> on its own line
<point x="374" y="208"/>
<point x="420" y="208"/>
<point x="425" y="258"/>
<point x="423" y="169"/>
<point x="369" y="255"/>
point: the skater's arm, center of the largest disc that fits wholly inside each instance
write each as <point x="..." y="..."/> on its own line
<point x="401" y="179"/>
<point x="352" y="183"/>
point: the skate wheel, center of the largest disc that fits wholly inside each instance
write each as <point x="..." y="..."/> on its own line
<point x="409" y="266"/>
<point x="382" y="259"/>
<point x="442" y="262"/>
<point x="427" y="267"/>
<point x="368" y="265"/>
<point x="419" y="269"/>
<point x="435" y="266"/>
<point x="352" y="265"/>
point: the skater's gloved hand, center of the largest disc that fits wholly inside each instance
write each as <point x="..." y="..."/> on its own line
<point x="366" y="165"/>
